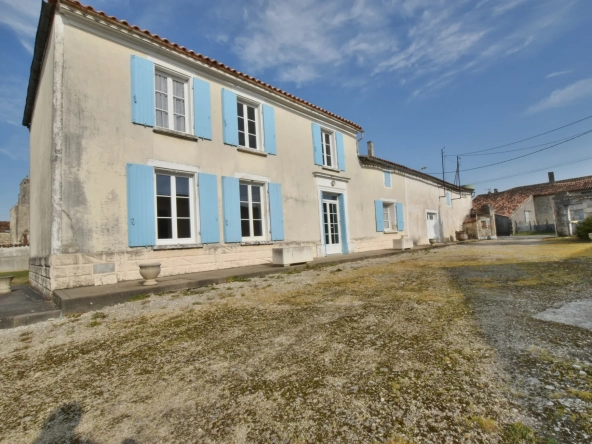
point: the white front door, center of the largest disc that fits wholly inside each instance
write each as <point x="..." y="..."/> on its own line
<point x="331" y="226"/>
<point x="432" y="219"/>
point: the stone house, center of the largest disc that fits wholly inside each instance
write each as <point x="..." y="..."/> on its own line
<point x="144" y="151"/>
<point x="19" y="215"/>
<point x="571" y="207"/>
<point x="530" y="207"/>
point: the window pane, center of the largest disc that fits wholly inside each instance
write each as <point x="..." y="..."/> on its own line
<point x="180" y="106"/>
<point x="163" y="185"/>
<point x="165" y="229"/>
<point x="244" y="210"/>
<point x="178" y="89"/>
<point x="182" y="186"/>
<point x="183" y="228"/>
<point x="239" y="109"/>
<point x="182" y="207"/>
<point x="163" y="206"/>
<point x="257" y="228"/>
<point x="250" y="113"/>
<point x="251" y="127"/>
<point x="256" y="211"/>
<point x="241" y="139"/>
<point x="244" y="193"/>
<point x="162" y="119"/>
<point x="246" y="231"/>
<point x="256" y="194"/>
<point x="252" y="142"/>
<point x="180" y="123"/>
<point x="161" y="83"/>
<point x="241" y="124"/>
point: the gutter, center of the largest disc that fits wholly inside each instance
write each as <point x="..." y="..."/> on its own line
<point x="41" y="39"/>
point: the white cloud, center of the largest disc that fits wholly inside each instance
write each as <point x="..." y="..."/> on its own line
<point x="564" y="97"/>
<point x="506" y="6"/>
<point x="21" y="17"/>
<point x="558" y="73"/>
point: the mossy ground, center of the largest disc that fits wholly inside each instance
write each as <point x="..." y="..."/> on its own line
<point x="386" y="350"/>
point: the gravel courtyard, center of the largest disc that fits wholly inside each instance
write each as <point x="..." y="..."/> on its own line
<point x="459" y="344"/>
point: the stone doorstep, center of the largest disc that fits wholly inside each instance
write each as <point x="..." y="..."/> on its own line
<point x="83" y="299"/>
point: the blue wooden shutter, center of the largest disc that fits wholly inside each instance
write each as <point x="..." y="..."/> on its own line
<point x="208" y="209"/>
<point x="387" y="179"/>
<point x="276" y="212"/>
<point x="340" y="151"/>
<point x="378" y="207"/>
<point x="269" y="129"/>
<point x="231" y="206"/>
<point x="142" y="80"/>
<point x="202" y="116"/>
<point x="141" y="217"/>
<point x="317" y="144"/>
<point x="343" y="225"/>
<point x="448" y="201"/>
<point x="229" y="117"/>
<point x="400" y="218"/>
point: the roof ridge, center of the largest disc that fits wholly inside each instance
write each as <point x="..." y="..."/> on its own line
<point x="210" y="61"/>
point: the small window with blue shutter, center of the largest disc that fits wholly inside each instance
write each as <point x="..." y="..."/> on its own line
<point x="328" y="148"/>
<point x="448" y="199"/>
<point x="175" y="208"/>
<point x="387" y="179"/>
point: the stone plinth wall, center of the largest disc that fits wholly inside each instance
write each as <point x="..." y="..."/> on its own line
<point x="14" y="259"/>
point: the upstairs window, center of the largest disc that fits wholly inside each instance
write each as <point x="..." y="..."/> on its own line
<point x="171" y="102"/>
<point x="328" y="150"/>
<point x="389" y="216"/>
<point x="248" y="124"/>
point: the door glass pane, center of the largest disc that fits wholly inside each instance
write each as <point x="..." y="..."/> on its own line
<point x="257" y="228"/>
<point x="183" y="228"/>
<point x="165" y="229"/>
<point x="182" y="207"/>
<point x="182" y="186"/>
<point x="246" y="231"/>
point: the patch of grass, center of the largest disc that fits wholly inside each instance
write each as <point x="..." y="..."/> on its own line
<point x="73" y="315"/>
<point x="237" y="279"/>
<point x="94" y="323"/>
<point x="20" y="277"/>
<point x="98" y="315"/>
<point x="486" y="424"/>
<point x="583" y="395"/>
<point x="139" y="297"/>
<point x="519" y="433"/>
<point x="337" y="270"/>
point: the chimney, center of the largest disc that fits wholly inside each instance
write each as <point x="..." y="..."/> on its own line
<point x="495" y="190"/>
<point x="370" y="148"/>
<point x="551" y="177"/>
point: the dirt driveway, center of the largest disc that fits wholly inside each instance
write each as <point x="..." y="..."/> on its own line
<point x="434" y="346"/>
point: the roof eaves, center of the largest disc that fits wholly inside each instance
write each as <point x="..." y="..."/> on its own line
<point x="209" y="61"/>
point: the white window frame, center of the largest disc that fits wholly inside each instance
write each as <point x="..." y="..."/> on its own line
<point x="171" y="75"/>
<point x="192" y="207"/>
<point x="448" y="197"/>
<point x="264" y="211"/>
<point x="240" y="100"/>
<point x="332" y="149"/>
<point x="527" y="216"/>
<point x="390" y="205"/>
<point x="576" y="208"/>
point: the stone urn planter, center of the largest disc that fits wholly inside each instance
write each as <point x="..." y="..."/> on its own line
<point x="150" y="272"/>
<point x="5" y="282"/>
<point x="461" y="236"/>
<point x="433" y="241"/>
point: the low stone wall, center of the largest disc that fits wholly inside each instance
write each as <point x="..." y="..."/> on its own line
<point x="14" y="259"/>
<point x="371" y="244"/>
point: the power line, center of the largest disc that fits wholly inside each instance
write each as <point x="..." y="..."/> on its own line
<point x="524" y="155"/>
<point x="523" y="140"/>
<point x="522" y="149"/>
<point x="534" y="171"/>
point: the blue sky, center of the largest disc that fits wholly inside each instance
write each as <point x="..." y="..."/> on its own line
<point x="418" y="75"/>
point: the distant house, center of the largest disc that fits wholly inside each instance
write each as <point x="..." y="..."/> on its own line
<point x="531" y="207"/>
<point x="4" y="232"/>
<point x="19" y="215"/>
<point x="145" y="151"/>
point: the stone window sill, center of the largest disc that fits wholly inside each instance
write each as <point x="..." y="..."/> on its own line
<point x="390" y="232"/>
<point x="178" y="134"/>
<point x="332" y="169"/>
<point x="252" y="151"/>
<point x="177" y="246"/>
<point x="251" y="243"/>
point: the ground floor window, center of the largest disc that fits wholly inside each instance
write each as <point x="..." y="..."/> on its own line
<point x="252" y="213"/>
<point x="174" y="208"/>
<point x="389" y="216"/>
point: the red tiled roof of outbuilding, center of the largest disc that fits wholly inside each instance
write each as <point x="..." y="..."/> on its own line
<point x="209" y="61"/>
<point x="505" y="203"/>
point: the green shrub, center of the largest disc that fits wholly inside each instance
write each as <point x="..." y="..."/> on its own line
<point x="583" y="228"/>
